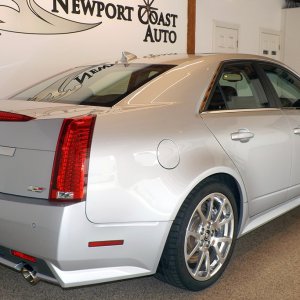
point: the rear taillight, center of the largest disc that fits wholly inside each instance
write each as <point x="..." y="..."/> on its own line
<point x="13" y="117"/>
<point x="70" y="168"/>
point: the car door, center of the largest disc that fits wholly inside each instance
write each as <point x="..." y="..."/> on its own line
<point x="253" y="132"/>
<point x="286" y="88"/>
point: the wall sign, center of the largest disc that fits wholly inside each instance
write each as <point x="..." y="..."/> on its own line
<point x="151" y="16"/>
<point x="40" y="38"/>
<point x="30" y="17"/>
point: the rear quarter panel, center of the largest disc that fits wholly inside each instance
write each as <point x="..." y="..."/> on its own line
<point x="126" y="182"/>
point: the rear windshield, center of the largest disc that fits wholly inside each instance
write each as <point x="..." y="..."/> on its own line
<point x="101" y="85"/>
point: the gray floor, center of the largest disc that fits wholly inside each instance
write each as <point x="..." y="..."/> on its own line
<point x="265" y="265"/>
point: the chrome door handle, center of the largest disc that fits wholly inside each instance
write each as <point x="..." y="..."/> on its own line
<point x="243" y="135"/>
<point x="297" y="131"/>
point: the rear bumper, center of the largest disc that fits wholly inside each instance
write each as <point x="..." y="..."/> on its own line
<point x="58" y="235"/>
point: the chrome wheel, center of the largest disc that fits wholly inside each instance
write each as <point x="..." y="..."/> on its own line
<point x="209" y="236"/>
<point x="202" y="236"/>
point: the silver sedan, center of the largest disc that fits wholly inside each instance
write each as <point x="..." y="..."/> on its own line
<point x="144" y="166"/>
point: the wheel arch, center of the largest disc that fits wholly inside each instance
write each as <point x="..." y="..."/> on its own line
<point x="234" y="186"/>
<point x="234" y="182"/>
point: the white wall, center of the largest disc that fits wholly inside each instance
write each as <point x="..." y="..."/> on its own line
<point x="29" y="57"/>
<point x="290" y="28"/>
<point x="32" y="49"/>
<point x="250" y="15"/>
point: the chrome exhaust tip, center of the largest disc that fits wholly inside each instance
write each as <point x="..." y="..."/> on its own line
<point x="29" y="274"/>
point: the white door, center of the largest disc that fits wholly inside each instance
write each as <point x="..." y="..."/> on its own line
<point x="226" y="40"/>
<point x="270" y="45"/>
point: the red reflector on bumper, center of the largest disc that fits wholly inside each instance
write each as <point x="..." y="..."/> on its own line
<point x="106" y="243"/>
<point x="23" y="255"/>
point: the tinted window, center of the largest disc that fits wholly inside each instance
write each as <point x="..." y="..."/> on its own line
<point x="286" y="85"/>
<point x="102" y="85"/>
<point x="238" y="87"/>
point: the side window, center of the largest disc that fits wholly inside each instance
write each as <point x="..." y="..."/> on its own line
<point x="286" y="85"/>
<point x="238" y="87"/>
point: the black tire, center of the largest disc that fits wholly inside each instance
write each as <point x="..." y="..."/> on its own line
<point x="177" y="263"/>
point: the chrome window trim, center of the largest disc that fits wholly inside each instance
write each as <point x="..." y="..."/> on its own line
<point x="240" y="110"/>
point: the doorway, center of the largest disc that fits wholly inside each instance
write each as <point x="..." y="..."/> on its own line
<point x="226" y="38"/>
<point x="270" y="44"/>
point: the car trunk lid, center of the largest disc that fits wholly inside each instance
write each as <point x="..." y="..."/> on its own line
<point x="27" y="147"/>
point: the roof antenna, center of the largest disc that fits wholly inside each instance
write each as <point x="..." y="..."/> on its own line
<point x="126" y="57"/>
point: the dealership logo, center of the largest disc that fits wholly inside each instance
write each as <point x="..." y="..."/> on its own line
<point x="149" y="15"/>
<point x="27" y="16"/>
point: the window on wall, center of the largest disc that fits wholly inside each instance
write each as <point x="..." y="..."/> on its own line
<point x="239" y="87"/>
<point x="286" y="85"/>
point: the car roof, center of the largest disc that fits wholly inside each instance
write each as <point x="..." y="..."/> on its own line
<point x="177" y="59"/>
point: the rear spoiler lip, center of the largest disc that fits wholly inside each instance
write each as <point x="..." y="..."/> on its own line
<point x="45" y="110"/>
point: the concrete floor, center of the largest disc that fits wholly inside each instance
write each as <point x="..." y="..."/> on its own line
<point x="265" y="265"/>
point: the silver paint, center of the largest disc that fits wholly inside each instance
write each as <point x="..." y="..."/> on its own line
<point x="130" y="195"/>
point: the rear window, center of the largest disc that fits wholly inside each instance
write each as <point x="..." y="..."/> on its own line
<point x="101" y="85"/>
